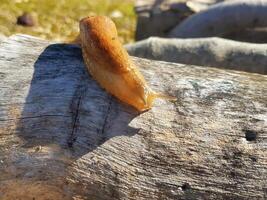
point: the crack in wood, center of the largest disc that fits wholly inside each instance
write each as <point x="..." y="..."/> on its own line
<point x="72" y="139"/>
<point x="75" y="107"/>
<point x="102" y="136"/>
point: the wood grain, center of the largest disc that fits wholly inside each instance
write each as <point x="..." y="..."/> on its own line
<point x="63" y="137"/>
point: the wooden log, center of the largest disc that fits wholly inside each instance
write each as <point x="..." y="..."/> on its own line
<point x="158" y="17"/>
<point x="214" y="52"/>
<point x="63" y="137"/>
<point x="223" y="18"/>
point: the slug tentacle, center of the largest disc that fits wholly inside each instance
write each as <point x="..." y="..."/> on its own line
<point x="110" y="65"/>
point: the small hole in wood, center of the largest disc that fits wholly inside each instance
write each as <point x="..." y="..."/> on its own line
<point x="255" y="21"/>
<point x="253" y="158"/>
<point x="186" y="186"/>
<point x="211" y="28"/>
<point x="250" y="135"/>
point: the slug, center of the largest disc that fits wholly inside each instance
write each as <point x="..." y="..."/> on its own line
<point x="110" y="65"/>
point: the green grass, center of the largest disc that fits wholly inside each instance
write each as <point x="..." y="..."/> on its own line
<point x="58" y="19"/>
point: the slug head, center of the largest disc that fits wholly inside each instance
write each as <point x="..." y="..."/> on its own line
<point x="99" y="36"/>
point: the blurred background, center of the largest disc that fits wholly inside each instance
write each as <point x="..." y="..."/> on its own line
<point x="58" y="19"/>
<point x="135" y="19"/>
<point x="150" y="26"/>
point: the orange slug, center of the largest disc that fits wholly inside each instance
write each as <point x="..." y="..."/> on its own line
<point x="110" y="65"/>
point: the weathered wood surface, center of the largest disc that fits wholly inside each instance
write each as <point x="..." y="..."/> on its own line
<point x="63" y="137"/>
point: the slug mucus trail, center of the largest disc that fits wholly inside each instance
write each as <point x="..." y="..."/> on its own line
<point x="110" y="65"/>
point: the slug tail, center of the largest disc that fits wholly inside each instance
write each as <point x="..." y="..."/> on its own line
<point x="163" y="96"/>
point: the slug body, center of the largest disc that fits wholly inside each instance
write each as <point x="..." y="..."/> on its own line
<point x="110" y="65"/>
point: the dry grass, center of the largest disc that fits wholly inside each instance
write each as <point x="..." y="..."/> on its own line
<point x="58" y="19"/>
